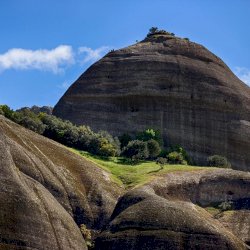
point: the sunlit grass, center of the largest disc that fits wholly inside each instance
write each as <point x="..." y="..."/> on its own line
<point x="128" y="174"/>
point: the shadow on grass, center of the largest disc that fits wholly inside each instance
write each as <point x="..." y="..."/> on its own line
<point x="157" y="170"/>
<point x="118" y="160"/>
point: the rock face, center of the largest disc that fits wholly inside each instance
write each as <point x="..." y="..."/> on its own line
<point x="170" y="84"/>
<point x="163" y="214"/>
<point x="46" y="192"/>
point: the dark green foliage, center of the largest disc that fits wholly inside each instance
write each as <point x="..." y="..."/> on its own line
<point x="153" y="30"/>
<point x="124" y="140"/>
<point x="85" y="135"/>
<point x="81" y="137"/>
<point x="25" y="118"/>
<point x="154" y="148"/>
<point x="218" y="161"/>
<point x="149" y="134"/>
<point x="7" y="112"/>
<point x="187" y="39"/>
<point x="33" y="124"/>
<point x="136" y="150"/>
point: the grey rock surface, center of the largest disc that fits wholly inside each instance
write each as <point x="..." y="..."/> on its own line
<point x="170" y="84"/>
<point x="47" y="191"/>
<point x="163" y="214"/>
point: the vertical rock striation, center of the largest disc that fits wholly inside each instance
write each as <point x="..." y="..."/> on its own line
<point x="170" y="84"/>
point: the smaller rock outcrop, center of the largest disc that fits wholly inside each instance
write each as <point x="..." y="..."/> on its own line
<point x="163" y="214"/>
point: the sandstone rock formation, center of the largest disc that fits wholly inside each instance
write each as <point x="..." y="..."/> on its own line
<point x="46" y="192"/>
<point x="163" y="214"/>
<point x="170" y="84"/>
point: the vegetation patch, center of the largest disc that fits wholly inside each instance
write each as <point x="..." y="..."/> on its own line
<point x="130" y="174"/>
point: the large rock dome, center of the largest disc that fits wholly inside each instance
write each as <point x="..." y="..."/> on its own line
<point x="170" y="84"/>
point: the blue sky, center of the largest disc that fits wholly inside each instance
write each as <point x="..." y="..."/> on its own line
<point x="46" y="44"/>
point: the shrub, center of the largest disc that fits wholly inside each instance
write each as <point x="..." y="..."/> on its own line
<point x="113" y="141"/>
<point x="226" y="205"/>
<point x="136" y="150"/>
<point x="86" y="233"/>
<point x="187" y="39"/>
<point x="218" y="161"/>
<point x="176" y="158"/>
<point x="149" y="134"/>
<point x="152" y="31"/>
<point x="105" y="148"/>
<point x="7" y="112"/>
<point x="182" y="151"/>
<point x="154" y="148"/>
<point x="33" y="124"/>
<point x="85" y="135"/>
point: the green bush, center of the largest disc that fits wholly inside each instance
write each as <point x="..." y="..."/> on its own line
<point x="86" y="233"/>
<point x="136" y="150"/>
<point x="176" y="158"/>
<point x="149" y="134"/>
<point x="33" y="124"/>
<point x="105" y="148"/>
<point x="218" y="161"/>
<point x="154" y="148"/>
<point x="7" y="111"/>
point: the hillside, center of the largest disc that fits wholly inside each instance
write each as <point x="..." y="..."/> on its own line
<point x="48" y="191"/>
<point x="166" y="83"/>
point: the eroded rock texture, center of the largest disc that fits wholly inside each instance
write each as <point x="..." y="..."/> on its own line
<point x="169" y="84"/>
<point x="164" y="214"/>
<point x="46" y="192"/>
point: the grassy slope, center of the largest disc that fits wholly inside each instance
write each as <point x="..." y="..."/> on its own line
<point x="129" y="175"/>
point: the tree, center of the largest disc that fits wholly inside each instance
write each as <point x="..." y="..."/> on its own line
<point x="154" y="148"/>
<point x="136" y="150"/>
<point x="149" y="134"/>
<point x="152" y="31"/>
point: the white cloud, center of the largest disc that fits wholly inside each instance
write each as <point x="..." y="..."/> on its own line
<point x="92" y="55"/>
<point x="243" y="74"/>
<point x="42" y="59"/>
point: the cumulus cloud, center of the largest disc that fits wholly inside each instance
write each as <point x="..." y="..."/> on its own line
<point x="47" y="60"/>
<point x="243" y="74"/>
<point x="92" y="55"/>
